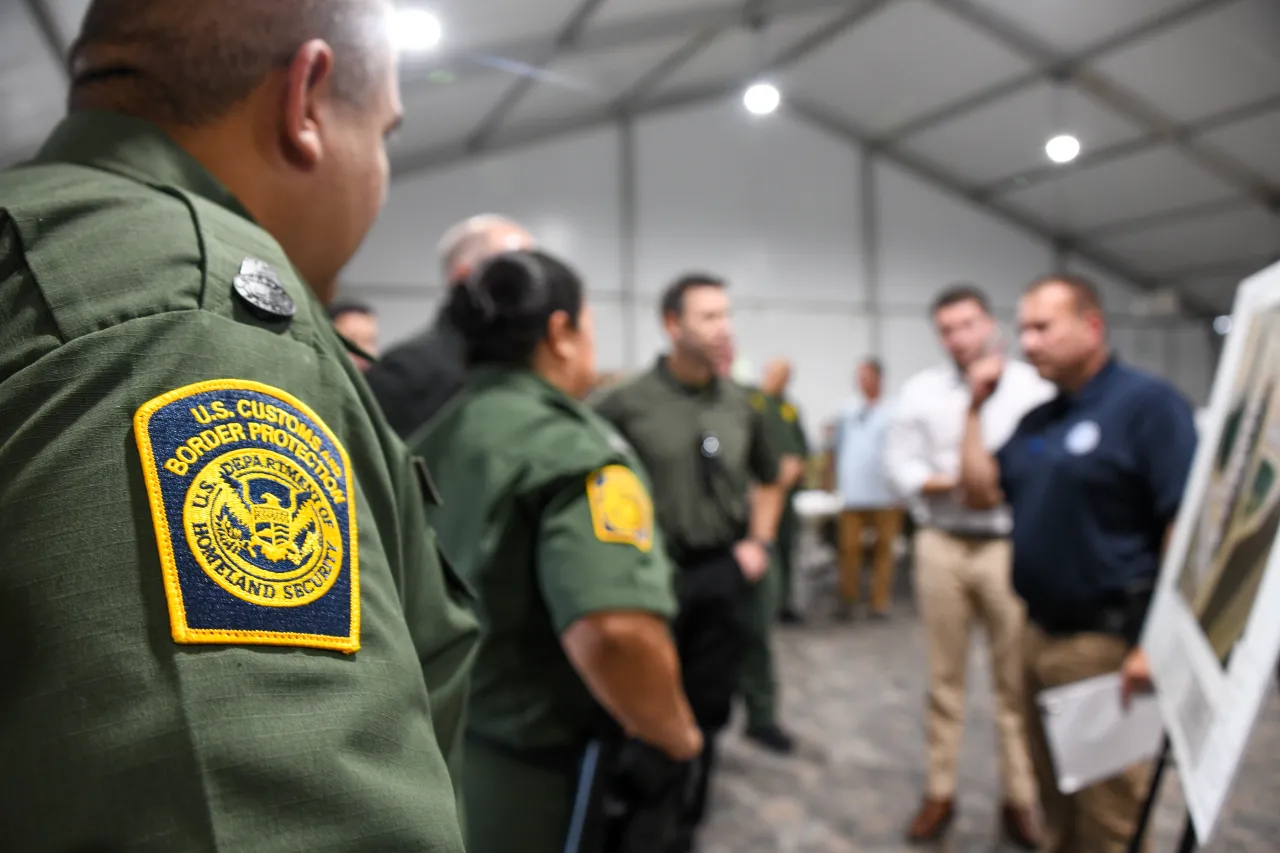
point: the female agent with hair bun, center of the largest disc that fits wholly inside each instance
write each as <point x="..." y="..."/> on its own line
<point x="546" y="513"/>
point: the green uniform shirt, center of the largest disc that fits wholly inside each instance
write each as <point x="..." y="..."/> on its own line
<point x="226" y="624"/>
<point x="547" y="514"/>
<point x="783" y="419"/>
<point x="702" y="446"/>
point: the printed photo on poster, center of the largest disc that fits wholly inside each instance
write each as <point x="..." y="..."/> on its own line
<point x="1237" y="525"/>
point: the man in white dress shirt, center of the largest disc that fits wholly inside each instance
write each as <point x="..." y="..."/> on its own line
<point x="963" y="558"/>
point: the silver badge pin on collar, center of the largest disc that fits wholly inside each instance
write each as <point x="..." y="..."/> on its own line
<point x="262" y="292"/>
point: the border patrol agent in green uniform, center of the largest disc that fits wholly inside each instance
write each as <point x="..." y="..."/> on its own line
<point x="227" y="625"/>
<point x="759" y="683"/>
<point x="547" y="514"/>
<point x="793" y="443"/>
<point x="704" y="445"/>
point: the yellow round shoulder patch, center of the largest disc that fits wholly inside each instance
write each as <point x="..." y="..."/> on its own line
<point x="789" y="413"/>
<point x="621" y="509"/>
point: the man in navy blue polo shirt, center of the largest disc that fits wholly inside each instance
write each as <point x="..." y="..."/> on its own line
<point x="1094" y="478"/>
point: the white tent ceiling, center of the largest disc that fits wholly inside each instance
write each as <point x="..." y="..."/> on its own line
<point x="1176" y="102"/>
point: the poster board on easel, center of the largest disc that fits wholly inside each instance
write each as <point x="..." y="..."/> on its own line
<point x="1219" y="591"/>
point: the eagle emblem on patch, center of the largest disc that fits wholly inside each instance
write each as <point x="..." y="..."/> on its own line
<point x="621" y="509"/>
<point x="252" y="501"/>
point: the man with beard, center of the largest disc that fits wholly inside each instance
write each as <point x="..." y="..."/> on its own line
<point x="704" y="446"/>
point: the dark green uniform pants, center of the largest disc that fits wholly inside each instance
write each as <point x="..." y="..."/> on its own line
<point x="788" y="540"/>
<point x="514" y="806"/>
<point x="766" y="599"/>
<point x="758" y="687"/>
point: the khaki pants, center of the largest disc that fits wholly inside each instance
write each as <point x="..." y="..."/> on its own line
<point x="887" y="524"/>
<point x="959" y="580"/>
<point x="1102" y="817"/>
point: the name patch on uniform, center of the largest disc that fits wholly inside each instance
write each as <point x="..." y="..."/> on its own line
<point x="252" y="501"/>
<point x="621" y="509"/>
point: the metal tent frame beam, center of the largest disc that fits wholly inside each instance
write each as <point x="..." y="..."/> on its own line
<point x="50" y="33"/>
<point x="1159" y="126"/>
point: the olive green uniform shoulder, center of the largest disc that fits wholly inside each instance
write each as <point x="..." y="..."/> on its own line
<point x="198" y="489"/>
<point x="547" y="513"/>
<point x="703" y="446"/>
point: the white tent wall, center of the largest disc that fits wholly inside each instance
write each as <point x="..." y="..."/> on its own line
<point x="830" y="256"/>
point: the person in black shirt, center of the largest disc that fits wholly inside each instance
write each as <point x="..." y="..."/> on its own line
<point x="414" y="380"/>
<point x="1094" y="478"/>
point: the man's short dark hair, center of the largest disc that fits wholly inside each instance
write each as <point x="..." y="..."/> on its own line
<point x="339" y="307"/>
<point x="673" y="296"/>
<point x="189" y="63"/>
<point x="875" y="364"/>
<point x="962" y="292"/>
<point x="1082" y="289"/>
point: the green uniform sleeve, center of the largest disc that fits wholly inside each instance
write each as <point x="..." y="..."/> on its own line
<point x="597" y="550"/>
<point x="764" y="452"/>
<point x="798" y="441"/>
<point x="127" y="733"/>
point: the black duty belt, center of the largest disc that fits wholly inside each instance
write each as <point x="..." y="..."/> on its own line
<point x="693" y="559"/>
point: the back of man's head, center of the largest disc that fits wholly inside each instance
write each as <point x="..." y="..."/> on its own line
<point x="286" y="102"/>
<point x="474" y="240"/>
<point x="188" y="62"/>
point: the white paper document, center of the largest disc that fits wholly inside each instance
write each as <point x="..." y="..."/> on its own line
<point x="1092" y="737"/>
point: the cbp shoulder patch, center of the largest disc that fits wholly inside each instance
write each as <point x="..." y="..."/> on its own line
<point x="252" y="500"/>
<point x="789" y="413"/>
<point x="621" y="509"/>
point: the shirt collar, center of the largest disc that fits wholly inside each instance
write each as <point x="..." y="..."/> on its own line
<point x="1096" y="385"/>
<point x="519" y="378"/>
<point x="136" y="149"/>
<point x="664" y="372"/>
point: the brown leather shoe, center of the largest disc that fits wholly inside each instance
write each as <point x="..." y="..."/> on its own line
<point x="932" y="821"/>
<point x="1021" y="828"/>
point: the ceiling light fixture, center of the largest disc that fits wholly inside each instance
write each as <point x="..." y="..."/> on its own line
<point x="415" y="30"/>
<point x="1062" y="149"/>
<point x="761" y="99"/>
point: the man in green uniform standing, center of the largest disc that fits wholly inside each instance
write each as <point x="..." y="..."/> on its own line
<point x="759" y="683"/>
<point x="793" y="444"/>
<point x="704" y="445"/>
<point x="226" y="621"/>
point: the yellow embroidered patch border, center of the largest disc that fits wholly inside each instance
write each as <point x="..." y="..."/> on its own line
<point x="254" y="512"/>
<point x="621" y="509"/>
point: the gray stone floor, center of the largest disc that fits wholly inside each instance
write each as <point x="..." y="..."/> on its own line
<point x="854" y="696"/>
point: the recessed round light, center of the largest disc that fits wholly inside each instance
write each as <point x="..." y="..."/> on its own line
<point x="762" y="98"/>
<point x="1062" y="149"/>
<point x="415" y="30"/>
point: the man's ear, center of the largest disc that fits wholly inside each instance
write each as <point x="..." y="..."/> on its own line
<point x="307" y="82"/>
